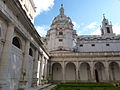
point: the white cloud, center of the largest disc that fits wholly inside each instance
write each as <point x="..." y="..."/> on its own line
<point x="43" y="5"/>
<point x="76" y="25"/>
<point x="116" y="28"/>
<point x="91" y="26"/>
<point x="42" y="30"/>
<point x="96" y="32"/>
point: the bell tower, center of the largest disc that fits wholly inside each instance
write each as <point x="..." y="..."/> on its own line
<point x="61" y="34"/>
<point x="106" y="28"/>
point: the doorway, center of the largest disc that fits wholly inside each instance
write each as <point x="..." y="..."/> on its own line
<point x="96" y="76"/>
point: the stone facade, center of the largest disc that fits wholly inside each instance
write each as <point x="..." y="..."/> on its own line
<point x="23" y="58"/>
<point x="84" y="58"/>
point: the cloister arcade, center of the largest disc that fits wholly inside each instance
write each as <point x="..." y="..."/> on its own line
<point x="85" y="71"/>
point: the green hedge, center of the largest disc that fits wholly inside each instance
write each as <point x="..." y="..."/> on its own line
<point x="85" y="86"/>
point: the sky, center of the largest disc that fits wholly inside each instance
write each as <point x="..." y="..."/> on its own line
<point x="86" y="15"/>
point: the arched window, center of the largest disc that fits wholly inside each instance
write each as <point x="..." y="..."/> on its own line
<point x="30" y="52"/>
<point x="108" y="30"/>
<point x="16" y="42"/>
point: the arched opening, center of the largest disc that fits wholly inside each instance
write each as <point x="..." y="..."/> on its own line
<point x="108" y="29"/>
<point x="16" y="42"/>
<point x="96" y="76"/>
<point x="70" y="72"/>
<point x="114" y="71"/>
<point x="57" y="72"/>
<point x="84" y="72"/>
<point x="30" y="52"/>
<point x="99" y="72"/>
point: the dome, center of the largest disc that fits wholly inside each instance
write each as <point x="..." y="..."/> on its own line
<point x="62" y="21"/>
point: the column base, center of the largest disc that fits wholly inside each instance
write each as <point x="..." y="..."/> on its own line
<point x="4" y="85"/>
<point x="34" y="82"/>
<point x="22" y="85"/>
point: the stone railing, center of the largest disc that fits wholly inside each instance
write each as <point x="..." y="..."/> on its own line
<point x="85" y="54"/>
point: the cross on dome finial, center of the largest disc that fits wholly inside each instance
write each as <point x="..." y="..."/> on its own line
<point x="61" y="10"/>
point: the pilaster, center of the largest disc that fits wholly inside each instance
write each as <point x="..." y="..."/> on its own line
<point x="4" y="63"/>
<point x="35" y="67"/>
<point x="63" y="66"/>
<point x="25" y="59"/>
<point x="107" y="71"/>
<point x="92" y="72"/>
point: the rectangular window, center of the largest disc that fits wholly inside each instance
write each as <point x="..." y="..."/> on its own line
<point x="60" y="40"/>
<point x="92" y="45"/>
<point x="107" y="44"/>
<point x="81" y="45"/>
<point x="108" y="30"/>
<point x="60" y="33"/>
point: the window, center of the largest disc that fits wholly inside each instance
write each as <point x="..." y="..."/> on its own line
<point x="105" y="23"/>
<point x="60" y="40"/>
<point x="81" y="45"/>
<point x="4" y="1"/>
<point x="92" y="45"/>
<point x="102" y="31"/>
<point x="30" y="52"/>
<point x="107" y="44"/>
<point x="60" y="33"/>
<point x="108" y="30"/>
<point x="16" y="42"/>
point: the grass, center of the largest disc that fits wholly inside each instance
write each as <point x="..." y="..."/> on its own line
<point x="85" y="86"/>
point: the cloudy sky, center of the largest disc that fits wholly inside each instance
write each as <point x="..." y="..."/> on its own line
<point x="85" y="14"/>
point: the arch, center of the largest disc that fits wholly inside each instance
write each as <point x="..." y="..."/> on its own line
<point x="84" y="72"/>
<point x="17" y="42"/>
<point x="114" y="71"/>
<point x="57" y="72"/>
<point x="30" y="52"/>
<point x="70" y="72"/>
<point x="99" y="72"/>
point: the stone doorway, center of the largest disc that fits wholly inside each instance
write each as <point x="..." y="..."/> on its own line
<point x="96" y="76"/>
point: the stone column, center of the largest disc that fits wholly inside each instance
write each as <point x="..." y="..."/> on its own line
<point x="77" y="68"/>
<point x="39" y="70"/>
<point x="4" y="62"/>
<point x="92" y="72"/>
<point x="25" y="60"/>
<point x="63" y="66"/>
<point x="107" y="71"/>
<point x="24" y="69"/>
<point x="42" y="68"/>
<point x="46" y="68"/>
<point x="35" y="67"/>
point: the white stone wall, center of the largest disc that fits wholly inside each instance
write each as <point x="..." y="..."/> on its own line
<point x="30" y="71"/>
<point x="15" y="63"/>
<point x="53" y="42"/>
<point x="100" y="46"/>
